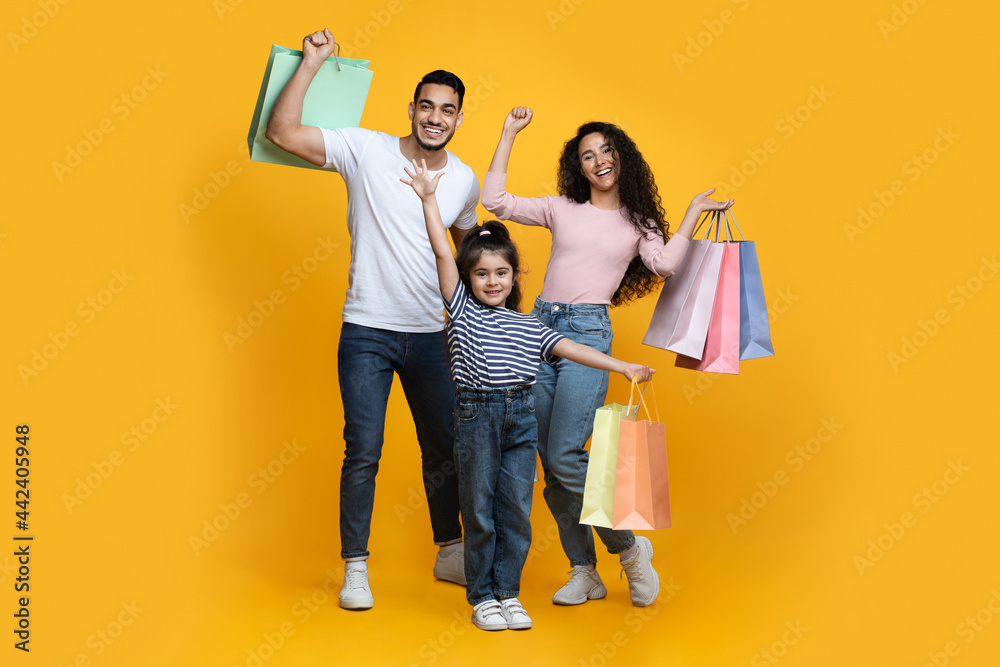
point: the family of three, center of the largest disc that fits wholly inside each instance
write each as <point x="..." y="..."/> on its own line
<point x="488" y="386"/>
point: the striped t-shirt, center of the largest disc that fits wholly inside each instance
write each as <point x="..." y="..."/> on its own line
<point x="494" y="347"/>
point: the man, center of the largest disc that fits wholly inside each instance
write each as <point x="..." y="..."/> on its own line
<point x="392" y="318"/>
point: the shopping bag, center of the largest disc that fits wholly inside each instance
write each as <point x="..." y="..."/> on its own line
<point x="642" y="490"/>
<point x="684" y="308"/>
<point x="755" y="330"/>
<point x="722" y="342"/>
<point x="336" y="98"/>
<point x="599" y="488"/>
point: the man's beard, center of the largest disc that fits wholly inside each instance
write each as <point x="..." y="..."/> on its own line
<point x="430" y="147"/>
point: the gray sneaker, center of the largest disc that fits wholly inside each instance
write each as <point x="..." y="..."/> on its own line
<point x="643" y="582"/>
<point x="451" y="567"/>
<point x="584" y="584"/>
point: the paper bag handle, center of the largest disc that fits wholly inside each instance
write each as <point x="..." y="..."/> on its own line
<point x="631" y="394"/>
<point x="729" y="214"/>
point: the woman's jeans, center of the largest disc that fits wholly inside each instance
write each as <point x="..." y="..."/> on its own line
<point x="566" y="397"/>
<point x="495" y="438"/>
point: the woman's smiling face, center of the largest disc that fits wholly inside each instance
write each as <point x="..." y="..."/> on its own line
<point x="597" y="162"/>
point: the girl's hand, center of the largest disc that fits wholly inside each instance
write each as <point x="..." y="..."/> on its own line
<point x="702" y="203"/>
<point x="517" y="120"/>
<point x="420" y="180"/>
<point x="638" y="373"/>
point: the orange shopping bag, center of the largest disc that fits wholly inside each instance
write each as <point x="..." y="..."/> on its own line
<point x="642" y="492"/>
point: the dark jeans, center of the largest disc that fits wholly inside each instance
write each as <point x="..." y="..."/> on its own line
<point x="495" y="438"/>
<point x="367" y="359"/>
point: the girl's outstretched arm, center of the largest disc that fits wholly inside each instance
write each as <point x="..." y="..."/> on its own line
<point x="425" y="186"/>
<point x="588" y="356"/>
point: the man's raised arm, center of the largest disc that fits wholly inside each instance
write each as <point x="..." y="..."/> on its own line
<point x="285" y="129"/>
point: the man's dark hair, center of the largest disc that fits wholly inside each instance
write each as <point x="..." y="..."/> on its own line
<point x="442" y="78"/>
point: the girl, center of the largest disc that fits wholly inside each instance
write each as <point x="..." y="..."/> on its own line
<point x="495" y="351"/>
<point x="609" y="220"/>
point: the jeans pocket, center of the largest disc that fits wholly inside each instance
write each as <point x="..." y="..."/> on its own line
<point x="467" y="411"/>
<point x="589" y="325"/>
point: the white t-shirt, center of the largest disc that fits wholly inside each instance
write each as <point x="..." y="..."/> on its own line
<point x="392" y="280"/>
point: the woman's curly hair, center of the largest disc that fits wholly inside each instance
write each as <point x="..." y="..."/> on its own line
<point x="636" y="191"/>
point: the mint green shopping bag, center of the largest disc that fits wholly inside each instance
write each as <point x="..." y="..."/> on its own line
<point x="336" y="98"/>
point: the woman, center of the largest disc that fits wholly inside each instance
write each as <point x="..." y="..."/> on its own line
<point x="609" y="246"/>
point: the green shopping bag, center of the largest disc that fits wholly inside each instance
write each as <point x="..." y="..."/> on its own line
<point x="336" y="98"/>
<point x="599" y="488"/>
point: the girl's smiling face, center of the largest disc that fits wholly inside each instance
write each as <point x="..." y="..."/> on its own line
<point x="491" y="279"/>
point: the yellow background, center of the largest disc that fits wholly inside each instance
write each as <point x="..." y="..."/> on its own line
<point x="894" y="78"/>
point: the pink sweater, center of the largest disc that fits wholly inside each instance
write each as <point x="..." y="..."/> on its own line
<point x="591" y="247"/>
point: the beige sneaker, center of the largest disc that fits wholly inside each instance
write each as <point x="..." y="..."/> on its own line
<point x="584" y="584"/>
<point x="643" y="582"/>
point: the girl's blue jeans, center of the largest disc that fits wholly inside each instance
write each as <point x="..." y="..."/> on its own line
<point x="495" y="438"/>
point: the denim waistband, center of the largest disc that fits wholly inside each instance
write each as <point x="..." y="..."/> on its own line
<point x="571" y="308"/>
<point x="514" y="391"/>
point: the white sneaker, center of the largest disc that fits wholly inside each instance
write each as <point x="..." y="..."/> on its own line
<point x="517" y="618"/>
<point x="451" y="567"/>
<point x="643" y="582"/>
<point x="489" y="616"/>
<point x="584" y="584"/>
<point x="355" y="593"/>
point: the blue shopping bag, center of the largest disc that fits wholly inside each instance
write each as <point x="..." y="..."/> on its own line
<point x="755" y="329"/>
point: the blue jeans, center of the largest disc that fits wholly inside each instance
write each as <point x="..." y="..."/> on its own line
<point x="366" y="360"/>
<point x="566" y="397"/>
<point x="495" y="438"/>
